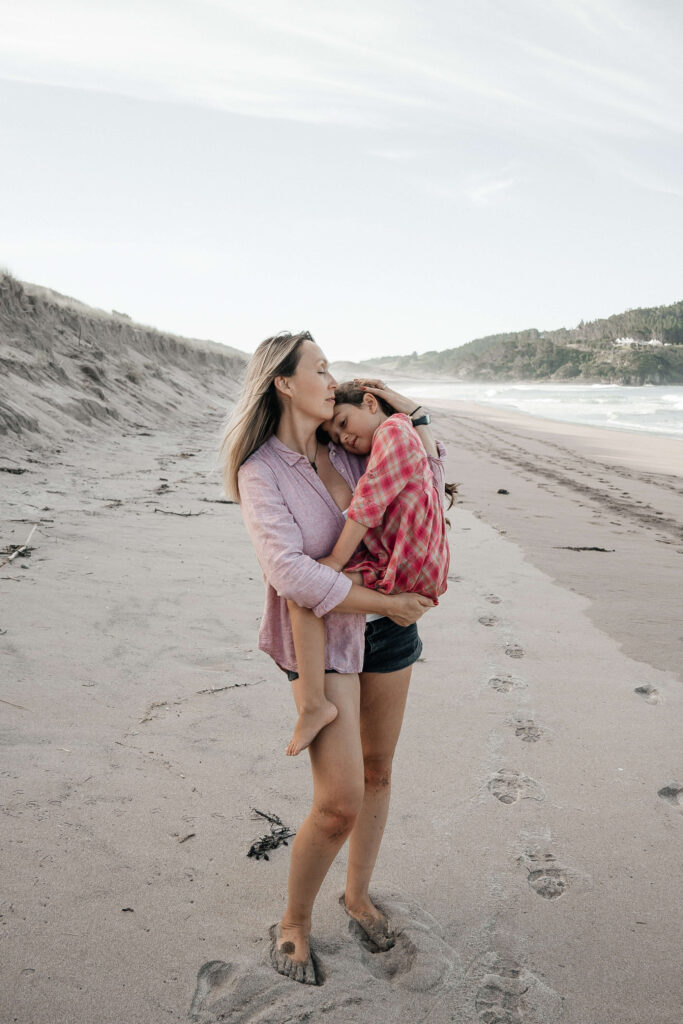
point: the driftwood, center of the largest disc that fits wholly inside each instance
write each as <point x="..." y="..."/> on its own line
<point x="230" y="686"/>
<point x="13" y="705"/>
<point x="22" y="549"/>
<point x="184" y="514"/>
<point x="278" y="836"/>
<point x="567" y="548"/>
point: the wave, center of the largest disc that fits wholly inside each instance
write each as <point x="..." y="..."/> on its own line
<point x="657" y="410"/>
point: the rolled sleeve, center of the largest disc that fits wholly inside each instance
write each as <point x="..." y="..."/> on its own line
<point x="278" y="544"/>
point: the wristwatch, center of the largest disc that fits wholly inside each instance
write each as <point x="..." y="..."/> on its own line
<point x="422" y="421"/>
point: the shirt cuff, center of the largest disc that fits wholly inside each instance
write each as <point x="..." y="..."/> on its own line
<point x="334" y="596"/>
<point x="441" y="453"/>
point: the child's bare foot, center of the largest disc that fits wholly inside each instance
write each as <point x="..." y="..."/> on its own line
<point x="308" y="725"/>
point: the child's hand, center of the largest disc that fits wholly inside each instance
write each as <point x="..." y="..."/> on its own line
<point x="381" y="390"/>
<point x="331" y="562"/>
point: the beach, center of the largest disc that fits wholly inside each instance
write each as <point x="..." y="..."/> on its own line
<point x="531" y="863"/>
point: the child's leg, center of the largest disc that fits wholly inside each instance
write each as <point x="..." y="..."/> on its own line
<point x="315" y="710"/>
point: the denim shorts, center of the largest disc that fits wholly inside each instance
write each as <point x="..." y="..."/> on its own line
<point x="388" y="647"/>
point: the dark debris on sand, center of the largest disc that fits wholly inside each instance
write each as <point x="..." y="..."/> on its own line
<point x="278" y="836"/>
<point x="13" y="549"/>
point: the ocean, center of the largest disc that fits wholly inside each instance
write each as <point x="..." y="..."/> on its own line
<point x="650" y="409"/>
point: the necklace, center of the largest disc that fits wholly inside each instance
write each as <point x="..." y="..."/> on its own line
<point x="315" y="456"/>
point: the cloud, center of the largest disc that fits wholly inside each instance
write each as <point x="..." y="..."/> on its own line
<point x="532" y="74"/>
<point x="485" y="192"/>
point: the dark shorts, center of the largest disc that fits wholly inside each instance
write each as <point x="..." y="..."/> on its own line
<point x="388" y="647"/>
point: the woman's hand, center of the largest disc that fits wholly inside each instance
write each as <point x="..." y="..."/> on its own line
<point x="381" y="390"/>
<point x="407" y="608"/>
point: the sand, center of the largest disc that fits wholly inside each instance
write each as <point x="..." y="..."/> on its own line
<point x="532" y="860"/>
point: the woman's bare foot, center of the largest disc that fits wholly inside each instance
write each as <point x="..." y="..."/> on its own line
<point x="290" y="953"/>
<point x="371" y="921"/>
<point x="308" y="725"/>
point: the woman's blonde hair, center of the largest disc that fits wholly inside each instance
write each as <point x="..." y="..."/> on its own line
<point x="257" y="413"/>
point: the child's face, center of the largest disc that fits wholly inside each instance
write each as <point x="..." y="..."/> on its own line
<point x="353" y="426"/>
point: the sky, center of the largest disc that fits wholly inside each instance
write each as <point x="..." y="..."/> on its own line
<point x="392" y="176"/>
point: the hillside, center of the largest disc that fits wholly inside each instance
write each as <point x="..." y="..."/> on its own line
<point x="66" y="366"/>
<point x="594" y="351"/>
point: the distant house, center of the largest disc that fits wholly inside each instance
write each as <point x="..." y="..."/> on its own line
<point x="653" y="343"/>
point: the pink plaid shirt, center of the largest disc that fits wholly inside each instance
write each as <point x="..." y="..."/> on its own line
<point x="405" y="547"/>
<point x="293" y="520"/>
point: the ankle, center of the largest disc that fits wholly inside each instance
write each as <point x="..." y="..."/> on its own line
<point x="357" y="900"/>
<point x="313" y="704"/>
<point x="291" y="922"/>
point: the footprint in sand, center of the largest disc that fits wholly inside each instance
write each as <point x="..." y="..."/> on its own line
<point x="549" y="882"/>
<point x="507" y="993"/>
<point x="514" y="651"/>
<point x="673" y="794"/>
<point x="500" y="997"/>
<point x="503" y="684"/>
<point x="488" y="620"/>
<point x="240" y="987"/>
<point x="527" y="731"/>
<point x="509" y="786"/>
<point x="650" y="693"/>
<point x="493" y="598"/>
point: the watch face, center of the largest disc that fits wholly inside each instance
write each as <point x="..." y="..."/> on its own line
<point x="422" y="421"/>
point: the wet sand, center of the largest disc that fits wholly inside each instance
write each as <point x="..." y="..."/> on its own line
<point x="531" y="863"/>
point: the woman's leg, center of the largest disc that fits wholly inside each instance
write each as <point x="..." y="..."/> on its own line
<point x="338" y="789"/>
<point x="382" y="703"/>
<point x="315" y="710"/>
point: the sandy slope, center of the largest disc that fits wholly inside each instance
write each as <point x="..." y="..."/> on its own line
<point x="532" y="861"/>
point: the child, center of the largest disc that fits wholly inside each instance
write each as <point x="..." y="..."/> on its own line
<point x="397" y="514"/>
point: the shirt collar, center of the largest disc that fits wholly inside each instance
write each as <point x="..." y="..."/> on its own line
<point x="285" y="453"/>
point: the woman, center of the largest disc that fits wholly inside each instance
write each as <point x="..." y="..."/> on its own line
<point x="293" y="490"/>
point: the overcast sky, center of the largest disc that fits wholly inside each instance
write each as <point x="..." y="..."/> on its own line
<point x="389" y="175"/>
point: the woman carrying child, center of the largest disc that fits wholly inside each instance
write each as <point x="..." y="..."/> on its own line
<point x="293" y="489"/>
<point x="396" y="514"/>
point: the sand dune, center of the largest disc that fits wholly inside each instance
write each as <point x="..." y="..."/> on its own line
<point x="65" y="364"/>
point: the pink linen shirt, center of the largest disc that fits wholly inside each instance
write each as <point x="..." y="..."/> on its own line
<point x="293" y="520"/>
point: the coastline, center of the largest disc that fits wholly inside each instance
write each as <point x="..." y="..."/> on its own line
<point x="532" y="848"/>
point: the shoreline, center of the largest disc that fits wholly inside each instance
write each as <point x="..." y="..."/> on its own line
<point x="659" y="452"/>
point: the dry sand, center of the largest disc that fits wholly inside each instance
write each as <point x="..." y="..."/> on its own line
<point x="532" y="860"/>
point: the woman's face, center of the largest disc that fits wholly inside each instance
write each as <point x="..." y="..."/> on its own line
<point x="311" y="387"/>
<point x="353" y="426"/>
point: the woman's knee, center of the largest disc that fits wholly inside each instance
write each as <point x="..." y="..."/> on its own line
<point x="336" y="818"/>
<point x="377" y="771"/>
